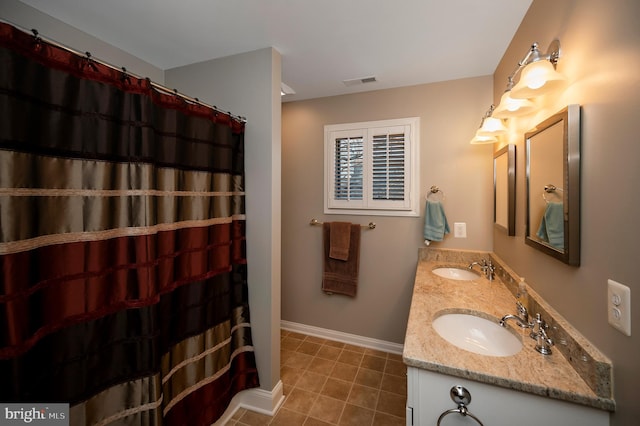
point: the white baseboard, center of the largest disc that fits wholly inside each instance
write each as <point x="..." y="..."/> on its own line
<point x="258" y="400"/>
<point x="339" y="336"/>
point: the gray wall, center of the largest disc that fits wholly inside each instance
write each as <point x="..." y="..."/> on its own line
<point x="26" y="17"/>
<point x="601" y="57"/>
<point x="249" y="85"/>
<point x="449" y="115"/>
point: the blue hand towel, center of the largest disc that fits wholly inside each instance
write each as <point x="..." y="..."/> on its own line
<point x="435" y="221"/>
<point x="552" y="225"/>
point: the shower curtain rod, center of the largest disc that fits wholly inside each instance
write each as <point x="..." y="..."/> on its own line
<point x="155" y="85"/>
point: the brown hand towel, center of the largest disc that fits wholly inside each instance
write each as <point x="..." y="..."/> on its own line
<point x="340" y="276"/>
<point x="339" y="238"/>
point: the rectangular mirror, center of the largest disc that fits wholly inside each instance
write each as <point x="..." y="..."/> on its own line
<point x="552" y="151"/>
<point x="504" y="189"/>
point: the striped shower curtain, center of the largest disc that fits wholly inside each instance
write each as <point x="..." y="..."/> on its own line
<point x="123" y="280"/>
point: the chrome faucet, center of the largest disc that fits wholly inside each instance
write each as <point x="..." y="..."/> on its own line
<point x="538" y="328"/>
<point x="487" y="268"/>
<point x="521" y="318"/>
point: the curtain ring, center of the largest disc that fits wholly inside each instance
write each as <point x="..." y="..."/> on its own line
<point x="89" y="61"/>
<point x="125" y="76"/>
<point x="37" y="40"/>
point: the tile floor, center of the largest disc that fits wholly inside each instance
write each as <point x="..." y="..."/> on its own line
<point x="332" y="383"/>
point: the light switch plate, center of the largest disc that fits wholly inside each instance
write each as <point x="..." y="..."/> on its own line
<point x="460" y="230"/>
<point x="619" y="306"/>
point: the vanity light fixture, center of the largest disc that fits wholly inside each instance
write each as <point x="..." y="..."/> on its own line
<point x="539" y="75"/>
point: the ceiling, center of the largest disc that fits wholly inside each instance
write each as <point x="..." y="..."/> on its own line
<point x="322" y="42"/>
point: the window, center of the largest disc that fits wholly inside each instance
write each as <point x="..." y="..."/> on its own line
<point x="371" y="168"/>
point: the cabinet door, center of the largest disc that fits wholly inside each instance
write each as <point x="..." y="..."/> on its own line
<point x="428" y="397"/>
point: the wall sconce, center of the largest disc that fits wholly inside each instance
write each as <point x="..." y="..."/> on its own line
<point x="490" y="128"/>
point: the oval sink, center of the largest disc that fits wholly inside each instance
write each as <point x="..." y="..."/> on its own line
<point x="476" y="334"/>
<point x="456" y="274"/>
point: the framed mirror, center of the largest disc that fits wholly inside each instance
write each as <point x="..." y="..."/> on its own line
<point x="504" y="189"/>
<point x="552" y="161"/>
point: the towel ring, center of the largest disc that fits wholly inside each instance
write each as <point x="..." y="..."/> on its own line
<point x="462" y="411"/>
<point x="433" y="192"/>
<point x="461" y="396"/>
<point x="551" y="189"/>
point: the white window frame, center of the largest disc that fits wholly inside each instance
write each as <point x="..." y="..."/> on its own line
<point x="367" y="205"/>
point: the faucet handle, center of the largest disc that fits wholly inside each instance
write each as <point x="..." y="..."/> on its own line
<point x="523" y="314"/>
<point x="539" y="323"/>
<point x="543" y="341"/>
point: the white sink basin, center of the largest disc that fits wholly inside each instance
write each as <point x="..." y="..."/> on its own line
<point x="456" y="274"/>
<point x="476" y="334"/>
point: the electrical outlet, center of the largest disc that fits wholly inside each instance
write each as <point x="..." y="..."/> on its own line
<point x="460" y="230"/>
<point x="619" y="306"/>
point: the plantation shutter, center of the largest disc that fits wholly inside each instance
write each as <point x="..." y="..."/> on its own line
<point x="348" y="168"/>
<point x="388" y="166"/>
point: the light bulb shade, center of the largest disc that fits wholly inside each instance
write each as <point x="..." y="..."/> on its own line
<point x="538" y="78"/>
<point x="510" y="107"/>
<point x="477" y="139"/>
<point x="491" y="126"/>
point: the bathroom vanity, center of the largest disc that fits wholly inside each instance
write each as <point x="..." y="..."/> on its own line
<point x="570" y="386"/>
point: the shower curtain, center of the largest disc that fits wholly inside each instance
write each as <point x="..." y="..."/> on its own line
<point x="123" y="284"/>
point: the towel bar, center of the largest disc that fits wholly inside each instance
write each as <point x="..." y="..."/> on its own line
<point x="371" y="225"/>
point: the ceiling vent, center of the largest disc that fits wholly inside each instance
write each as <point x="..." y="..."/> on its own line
<point x="356" y="81"/>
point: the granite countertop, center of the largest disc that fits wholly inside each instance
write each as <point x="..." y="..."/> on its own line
<point x="528" y="371"/>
